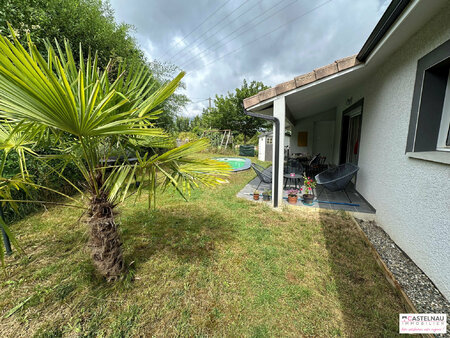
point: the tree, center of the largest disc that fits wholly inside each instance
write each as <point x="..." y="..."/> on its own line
<point x="228" y="111"/>
<point x="90" y="22"/>
<point x="182" y="123"/>
<point x="163" y="72"/>
<point x="101" y="113"/>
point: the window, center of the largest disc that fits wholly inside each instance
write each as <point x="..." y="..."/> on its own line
<point x="430" y="113"/>
<point x="443" y="142"/>
<point x="269" y="140"/>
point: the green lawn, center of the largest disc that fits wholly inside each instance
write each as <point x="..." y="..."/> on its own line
<point x="216" y="266"/>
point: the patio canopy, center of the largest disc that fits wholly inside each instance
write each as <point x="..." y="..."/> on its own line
<point x="324" y="88"/>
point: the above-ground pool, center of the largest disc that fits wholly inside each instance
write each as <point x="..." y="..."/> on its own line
<point x="236" y="163"/>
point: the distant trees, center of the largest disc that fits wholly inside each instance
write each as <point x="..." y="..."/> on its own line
<point x="227" y="112"/>
<point x="164" y="72"/>
<point x="182" y="124"/>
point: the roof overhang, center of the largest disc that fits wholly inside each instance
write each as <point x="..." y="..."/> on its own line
<point x="318" y="75"/>
<point x="391" y="14"/>
<point x="411" y="19"/>
<point x="308" y="93"/>
<point x="400" y="21"/>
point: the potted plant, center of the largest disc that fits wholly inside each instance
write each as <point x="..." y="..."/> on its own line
<point x="256" y="195"/>
<point x="292" y="196"/>
<point x="267" y="194"/>
<point x="307" y="190"/>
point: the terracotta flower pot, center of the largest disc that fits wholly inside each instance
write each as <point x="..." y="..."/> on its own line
<point x="308" y="198"/>
<point x="292" y="199"/>
<point x="256" y="197"/>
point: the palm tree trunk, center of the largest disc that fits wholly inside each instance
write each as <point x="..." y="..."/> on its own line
<point x="105" y="243"/>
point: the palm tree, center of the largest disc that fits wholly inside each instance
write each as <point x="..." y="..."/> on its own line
<point x="100" y="115"/>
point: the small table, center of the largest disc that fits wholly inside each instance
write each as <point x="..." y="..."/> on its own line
<point x="294" y="178"/>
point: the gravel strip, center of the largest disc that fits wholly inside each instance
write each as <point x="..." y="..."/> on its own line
<point x="419" y="288"/>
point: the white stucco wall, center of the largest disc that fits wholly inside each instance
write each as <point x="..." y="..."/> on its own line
<point x="412" y="197"/>
<point x="307" y="124"/>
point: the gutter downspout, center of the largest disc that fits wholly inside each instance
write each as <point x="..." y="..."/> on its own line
<point x="276" y="164"/>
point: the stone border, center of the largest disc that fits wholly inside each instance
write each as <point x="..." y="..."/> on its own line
<point x="409" y="306"/>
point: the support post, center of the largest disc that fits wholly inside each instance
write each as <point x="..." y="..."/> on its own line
<point x="276" y="164"/>
<point x="279" y="112"/>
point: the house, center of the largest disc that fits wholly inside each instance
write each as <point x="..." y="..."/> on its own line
<point x="387" y="109"/>
<point x="265" y="145"/>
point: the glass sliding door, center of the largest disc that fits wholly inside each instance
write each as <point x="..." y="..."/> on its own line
<point x="351" y="133"/>
<point x="354" y="133"/>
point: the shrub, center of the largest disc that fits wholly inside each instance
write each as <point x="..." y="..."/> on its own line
<point x="41" y="175"/>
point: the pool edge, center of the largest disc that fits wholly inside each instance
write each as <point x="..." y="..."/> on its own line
<point x="246" y="165"/>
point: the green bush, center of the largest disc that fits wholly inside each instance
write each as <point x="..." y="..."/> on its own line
<point x="239" y="139"/>
<point x="41" y="175"/>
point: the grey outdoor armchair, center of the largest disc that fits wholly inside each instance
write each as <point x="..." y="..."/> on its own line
<point x="262" y="174"/>
<point x="337" y="179"/>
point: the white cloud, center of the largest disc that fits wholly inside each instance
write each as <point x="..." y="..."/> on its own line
<point x="148" y="49"/>
<point x="178" y="42"/>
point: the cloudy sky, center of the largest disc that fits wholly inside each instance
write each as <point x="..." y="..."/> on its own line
<point x="221" y="42"/>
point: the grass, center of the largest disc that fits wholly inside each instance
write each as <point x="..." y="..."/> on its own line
<point x="216" y="266"/>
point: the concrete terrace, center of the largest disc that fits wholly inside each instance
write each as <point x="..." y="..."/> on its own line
<point x="327" y="199"/>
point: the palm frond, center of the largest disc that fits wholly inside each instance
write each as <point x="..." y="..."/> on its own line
<point x="180" y="169"/>
<point x="80" y="101"/>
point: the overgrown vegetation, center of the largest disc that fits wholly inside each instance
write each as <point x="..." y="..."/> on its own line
<point x="215" y="266"/>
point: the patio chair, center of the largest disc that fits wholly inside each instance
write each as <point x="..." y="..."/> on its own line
<point x="337" y="179"/>
<point x="297" y="169"/>
<point x="263" y="175"/>
<point x="311" y="166"/>
<point x="318" y="166"/>
<point x="293" y="162"/>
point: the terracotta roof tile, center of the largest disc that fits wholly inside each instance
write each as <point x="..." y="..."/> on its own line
<point x="326" y="71"/>
<point x="302" y="80"/>
<point x="305" y="79"/>
<point x="285" y="87"/>
<point x="267" y="94"/>
<point x="251" y="101"/>
<point x="347" y="62"/>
